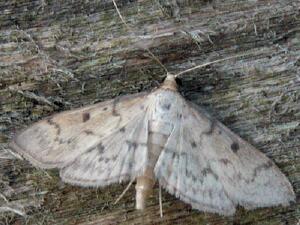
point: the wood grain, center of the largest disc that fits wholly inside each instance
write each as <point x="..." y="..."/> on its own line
<point x="58" y="55"/>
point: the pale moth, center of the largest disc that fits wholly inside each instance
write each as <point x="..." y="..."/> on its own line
<point x="156" y="136"/>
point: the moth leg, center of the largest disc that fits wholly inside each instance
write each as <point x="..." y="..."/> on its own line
<point x="124" y="192"/>
<point x="160" y="202"/>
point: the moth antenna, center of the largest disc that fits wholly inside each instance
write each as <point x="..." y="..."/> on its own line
<point x="160" y="202"/>
<point x="210" y="63"/>
<point x="124" y="192"/>
<point x="145" y="48"/>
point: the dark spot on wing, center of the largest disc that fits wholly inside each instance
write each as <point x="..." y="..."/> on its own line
<point x="56" y="125"/>
<point x="132" y="144"/>
<point x="187" y="173"/>
<point x="88" y="132"/>
<point x="207" y="171"/>
<point x="90" y="150"/>
<point x="211" y="127"/>
<point x="105" y="108"/>
<point x="106" y="160"/>
<point x="193" y="144"/>
<point x="220" y="132"/>
<point x="175" y="154"/>
<point x="179" y="115"/>
<point x="115" y="113"/>
<point x="235" y="147"/>
<point x="100" y="159"/>
<point x="210" y="193"/>
<point x="130" y="165"/>
<point x="100" y="147"/>
<point x="85" y="117"/>
<point x="264" y="166"/>
<point x="166" y="106"/>
<point x="115" y="102"/>
<point x="122" y="129"/>
<point x="225" y="161"/>
<point x="182" y="154"/>
<point x="142" y="107"/>
<point x="194" y="178"/>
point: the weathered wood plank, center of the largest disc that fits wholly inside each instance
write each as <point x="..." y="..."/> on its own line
<point x="58" y="55"/>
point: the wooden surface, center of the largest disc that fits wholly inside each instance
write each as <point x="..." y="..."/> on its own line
<point x="58" y="55"/>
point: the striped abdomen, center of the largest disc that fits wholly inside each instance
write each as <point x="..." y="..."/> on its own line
<point x="158" y="136"/>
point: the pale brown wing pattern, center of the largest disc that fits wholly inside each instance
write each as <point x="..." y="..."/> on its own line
<point x="185" y="171"/>
<point x="120" y="156"/>
<point x="58" y="140"/>
<point x="213" y="169"/>
<point x="249" y="177"/>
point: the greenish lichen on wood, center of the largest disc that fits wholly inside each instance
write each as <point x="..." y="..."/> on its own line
<point x="58" y="55"/>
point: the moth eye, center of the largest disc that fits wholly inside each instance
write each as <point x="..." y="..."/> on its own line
<point x="178" y="81"/>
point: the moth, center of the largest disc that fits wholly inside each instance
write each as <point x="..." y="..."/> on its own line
<point x="156" y="136"/>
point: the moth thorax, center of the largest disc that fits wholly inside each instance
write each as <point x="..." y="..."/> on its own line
<point x="144" y="186"/>
<point x="170" y="83"/>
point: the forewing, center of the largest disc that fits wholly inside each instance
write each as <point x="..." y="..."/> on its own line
<point x="121" y="156"/>
<point x="211" y="168"/>
<point x="184" y="170"/>
<point x="249" y="177"/>
<point x="58" y="140"/>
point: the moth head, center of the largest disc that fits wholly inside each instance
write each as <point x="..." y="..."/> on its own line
<point x="170" y="82"/>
